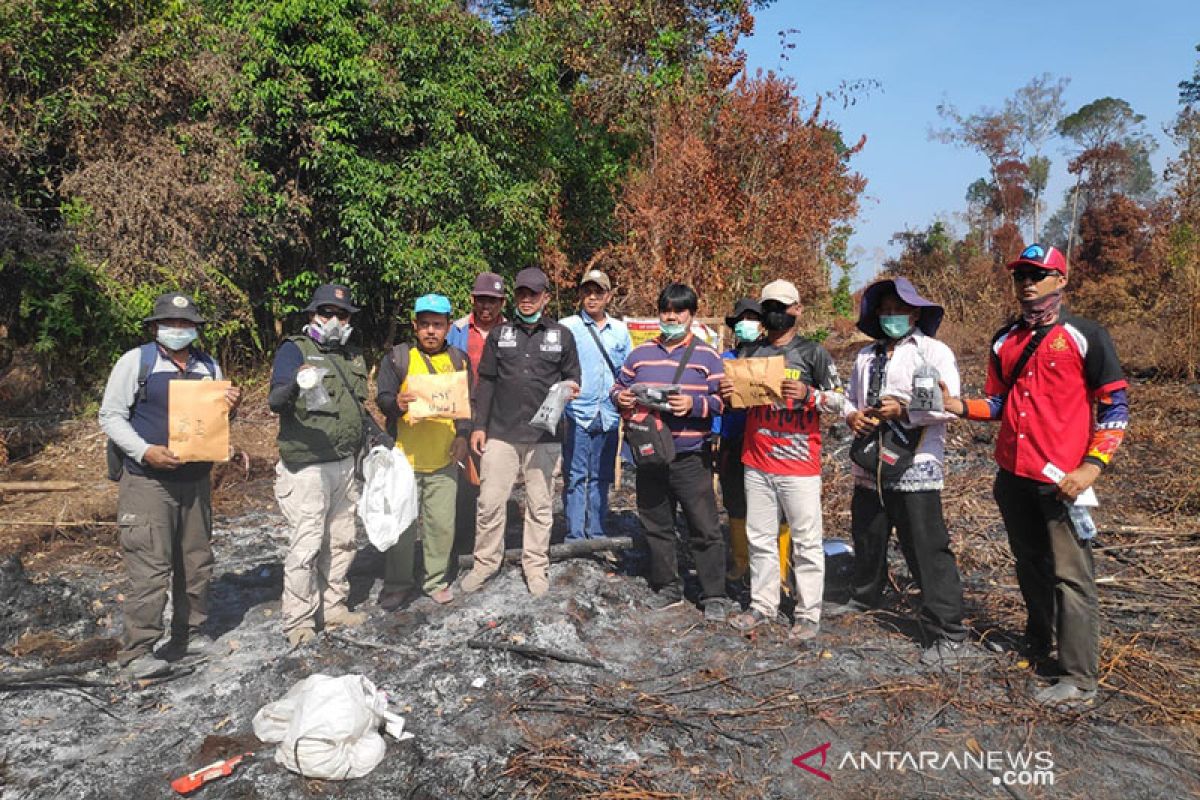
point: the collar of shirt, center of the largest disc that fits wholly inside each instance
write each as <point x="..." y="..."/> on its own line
<point x="587" y="320"/>
<point x="471" y="324"/>
<point x="673" y="347"/>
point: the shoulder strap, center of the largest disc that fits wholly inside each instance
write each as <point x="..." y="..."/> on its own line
<point x="147" y="358"/>
<point x="1026" y="354"/>
<point x="687" y="354"/>
<point x="400" y="362"/>
<point x="600" y="345"/>
<point x="458" y="358"/>
<point x="876" y="373"/>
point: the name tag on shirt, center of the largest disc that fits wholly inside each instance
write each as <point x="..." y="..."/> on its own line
<point x="551" y="348"/>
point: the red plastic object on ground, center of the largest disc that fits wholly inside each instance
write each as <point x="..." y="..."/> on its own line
<point x="218" y="769"/>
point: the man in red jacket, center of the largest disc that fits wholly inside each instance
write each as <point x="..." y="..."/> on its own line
<point x="1055" y="385"/>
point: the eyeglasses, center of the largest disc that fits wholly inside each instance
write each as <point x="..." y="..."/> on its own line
<point x="332" y="311"/>
<point x="1034" y="275"/>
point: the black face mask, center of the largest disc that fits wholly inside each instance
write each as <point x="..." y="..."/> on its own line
<point x="778" y="320"/>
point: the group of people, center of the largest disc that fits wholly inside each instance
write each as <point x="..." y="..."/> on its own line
<point x="1054" y="384"/>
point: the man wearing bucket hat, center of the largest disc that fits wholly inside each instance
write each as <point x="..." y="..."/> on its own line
<point x="164" y="506"/>
<point x="521" y="361"/>
<point x="318" y="386"/>
<point x="435" y="447"/>
<point x="782" y="458"/>
<point x="590" y="429"/>
<point x="1056" y="386"/>
<point x="885" y="377"/>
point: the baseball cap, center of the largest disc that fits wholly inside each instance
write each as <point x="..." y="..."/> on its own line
<point x="780" y="291"/>
<point x="1036" y="255"/>
<point x="488" y="284"/>
<point x="432" y="303"/>
<point x="533" y="279"/>
<point x="743" y="305"/>
<point x="331" y="294"/>
<point x="597" y="277"/>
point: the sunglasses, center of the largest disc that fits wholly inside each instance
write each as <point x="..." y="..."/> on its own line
<point x="1034" y="275"/>
<point x="331" y="311"/>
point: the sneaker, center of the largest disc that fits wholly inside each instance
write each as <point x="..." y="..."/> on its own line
<point x="395" y="600"/>
<point x="668" y="596"/>
<point x="716" y="609"/>
<point x="442" y="596"/>
<point x="473" y="581"/>
<point x="145" y="667"/>
<point x="299" y="636"/>
<point x="1064" y="694"/>
<point x="340" y="616"/>
<point x="538" y="585"/>
<point x="183" y="646"/>
<point x="945" y="653"/>
<point x="804" y="631"/>
<point x="748" y="620"/>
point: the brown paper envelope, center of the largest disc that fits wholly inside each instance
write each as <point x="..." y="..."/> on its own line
<point x="442" y="395"/>
<point x="198" y="420"/>
<point x="756" y="381"/>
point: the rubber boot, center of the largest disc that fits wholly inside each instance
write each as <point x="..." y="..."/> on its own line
<point x="739" y="549"/>
<point x="785" y="559"/>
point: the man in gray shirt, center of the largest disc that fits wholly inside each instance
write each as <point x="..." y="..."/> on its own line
<point x="164" y="506"/>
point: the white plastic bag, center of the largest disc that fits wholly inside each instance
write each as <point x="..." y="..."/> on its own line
<point x="551" y="409"/>
<point x="389" y="502"/>
<point x="329" y="727"/>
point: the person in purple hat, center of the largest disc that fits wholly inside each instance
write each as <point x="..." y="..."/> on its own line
<point x="888" y="379"/>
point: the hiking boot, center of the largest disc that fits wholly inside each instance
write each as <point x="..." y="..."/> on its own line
<point x="668" y="596"/>
<point x="397" y="599"/>
<point x="442" y="596"/>
<point x="945" y="653"/>
<point x="145" y="667"/>
<point x="748" y="620"/>
<point x="804" y="631"/>
<point x="299" y="636"/>
<point x="473" y="581"/>
<point x="343" y="617"/>
<point x="1064" y="694"/>
<point x="716" y="609"/>
<point x="538" y="585"/>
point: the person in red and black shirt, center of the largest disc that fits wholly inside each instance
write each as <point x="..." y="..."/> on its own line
<point x="1056" y="386"/>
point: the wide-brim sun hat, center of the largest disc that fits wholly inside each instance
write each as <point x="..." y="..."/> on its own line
<point x="929" y="319"/>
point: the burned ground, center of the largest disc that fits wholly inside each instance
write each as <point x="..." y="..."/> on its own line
<point x="674" y="708"/>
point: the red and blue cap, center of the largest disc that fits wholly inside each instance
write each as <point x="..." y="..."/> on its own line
<point x="1036" y="255"/>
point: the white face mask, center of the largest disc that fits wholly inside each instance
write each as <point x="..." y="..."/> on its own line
<point x="175" y="338"/>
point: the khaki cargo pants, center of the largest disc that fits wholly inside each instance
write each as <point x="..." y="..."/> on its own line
<point x="165" y="532"/>
<point x="502" y="463"/>
<point x="318" y="501"/>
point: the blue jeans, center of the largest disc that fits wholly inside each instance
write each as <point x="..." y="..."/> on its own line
<point x="589" y="458"/>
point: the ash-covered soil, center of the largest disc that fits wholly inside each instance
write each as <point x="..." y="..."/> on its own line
<point x="664" y="706"/>
<point x="677" y="708"/>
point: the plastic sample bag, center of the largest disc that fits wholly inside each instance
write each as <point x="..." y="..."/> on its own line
<point x="389" y="502"/>
<point x="550" y="412"/>
<point x="328" y="727"/>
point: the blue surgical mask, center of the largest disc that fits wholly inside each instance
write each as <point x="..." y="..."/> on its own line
<point x="672" y="330"/>
<point x="530" y="319"/>
<point x="895" y="326"/>
<point x="175" y="338"/>
<point x="748" y="330"/>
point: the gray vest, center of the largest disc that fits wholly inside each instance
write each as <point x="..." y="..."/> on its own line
<point x="334" y="431"/>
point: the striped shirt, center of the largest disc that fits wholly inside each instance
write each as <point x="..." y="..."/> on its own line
<point x="654" y="364"/>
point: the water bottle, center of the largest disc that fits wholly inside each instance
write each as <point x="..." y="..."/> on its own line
<point x="1081" y="521"/>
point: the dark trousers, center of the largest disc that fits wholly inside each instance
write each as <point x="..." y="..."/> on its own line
<point x="1056" y="575"/>
<point x="733" y="479"/>
<point x="688" y="481"/>
<point x="165" y="529"/>
<point x="465" y="501"/>
<point x="921" y="531"/>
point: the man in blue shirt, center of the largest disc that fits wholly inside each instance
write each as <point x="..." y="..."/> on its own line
<point x="590" y="430"/>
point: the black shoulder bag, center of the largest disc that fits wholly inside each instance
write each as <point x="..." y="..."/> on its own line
<point x="888" y="451"/>
<point x="648" y="436"/>
<point x="604" y="353"/>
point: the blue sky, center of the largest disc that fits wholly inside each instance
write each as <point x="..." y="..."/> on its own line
<point x="967" y="53"/>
